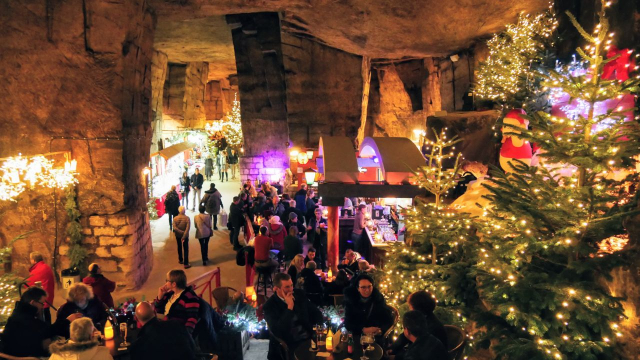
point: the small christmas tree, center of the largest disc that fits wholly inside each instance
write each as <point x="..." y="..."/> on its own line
<point x="540" y="272"/>
<point x="233" y="126"/>
<point x="433" y="257"/>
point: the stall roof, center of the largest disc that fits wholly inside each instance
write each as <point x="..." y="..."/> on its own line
<point x="339" y="162"/>
<point x="399" y="157"/>
<point x="173" y="150"/>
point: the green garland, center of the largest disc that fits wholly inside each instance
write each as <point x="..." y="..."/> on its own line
<point x="77" y="253"/>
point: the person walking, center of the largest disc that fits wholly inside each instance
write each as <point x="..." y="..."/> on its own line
<point x="222" y="165"/>
<point x="232" y="160"/>
<point x="185" y="188"/>
<point x="208" y="167"/>
<point x="197" y="180"/>
<point x="181" y="226"/>
<point x="202" y="222"/>
<point x="236" y="219"/>
<point x="101" y="286"/>
<point x="171" y="205"/>
<point x="212" y="202"/>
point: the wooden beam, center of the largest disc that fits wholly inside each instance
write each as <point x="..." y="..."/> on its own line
<point x="333" y="194"/>
<point x="333" y="237"/>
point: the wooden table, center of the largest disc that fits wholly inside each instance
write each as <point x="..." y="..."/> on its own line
<point x="302" y="352"/>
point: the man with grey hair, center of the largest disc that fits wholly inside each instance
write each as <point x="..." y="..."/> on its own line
<point x="161" y="339"/>
<point x="181" y="227"/>
<point x="41" y="275"/>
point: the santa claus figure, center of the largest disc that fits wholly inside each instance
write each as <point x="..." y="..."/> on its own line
<point x="514" y="147"/>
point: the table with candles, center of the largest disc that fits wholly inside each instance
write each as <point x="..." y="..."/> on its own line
<point x="337" y="350"/>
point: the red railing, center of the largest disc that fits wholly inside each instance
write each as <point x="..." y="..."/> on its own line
<point x="205" y="286"/>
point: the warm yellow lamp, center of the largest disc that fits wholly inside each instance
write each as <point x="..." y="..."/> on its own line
<point x="108" y="331"/>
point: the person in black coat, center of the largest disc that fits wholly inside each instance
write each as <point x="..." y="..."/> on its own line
<point x="317" y="236"/>
<point x="423" y="302"/>
<point x="157" y="339"/>
<point x="311" y="283"/>
<point x="350" y="263"/>
<point x="366" y="310"/>
<point x="80" y="299"/>
<point x="197" y="180"/>
<point x="292" y="209"/>
<point x="171" y="205"/>
<point x="236" y="219"/>
<point x="422" y="344"/>
<point x="289" y="315"/>
<point x="185" y="188"/>
<point x="26" y="332"/>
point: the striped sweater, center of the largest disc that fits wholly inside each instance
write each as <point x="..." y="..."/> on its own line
<point x="185" y="310"/>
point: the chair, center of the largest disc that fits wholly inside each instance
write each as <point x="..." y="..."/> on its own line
<point x="284" y="349"/>
<point x="456" y="341"/>
<point x="396" y="317"/>
<point x="222" y="295"/>
<point x="338" y="299"/>
<point x="264" y="279"/>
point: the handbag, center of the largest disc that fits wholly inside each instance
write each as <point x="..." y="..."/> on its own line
<point x="224" y="218"/>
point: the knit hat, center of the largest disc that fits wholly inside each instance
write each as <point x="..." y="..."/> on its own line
<point x="275" y="220"/>
<point x="293" y="215"/>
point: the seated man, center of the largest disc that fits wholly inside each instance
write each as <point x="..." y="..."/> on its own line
<point x="289" y="315"/>
<point x="311" y="255"/>
<point x="350" y="263"/>
<point x="80" y="299"/>
<point x="312" y="285"/>
<point x="423" y="345"/>
<point x="263" y="244"/>
<point x="366" y="311"/>
<point x="177" y="301"/>
<point x="26" y="332"/>
<point x="161" y="339"/>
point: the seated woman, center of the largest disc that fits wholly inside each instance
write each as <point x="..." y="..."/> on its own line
<point x="312" y="283"/>
<point x="295" y="268"/>
<point x="81" y="345"/>
<point x="425" y="303"/>
<point x="366" y="311"/>
<point x="81" y="300"/>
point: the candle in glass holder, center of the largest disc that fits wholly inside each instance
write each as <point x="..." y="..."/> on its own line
<point x="254" y="297"/>
<point x="329" y="343"/>
<point x="108" y="331"/>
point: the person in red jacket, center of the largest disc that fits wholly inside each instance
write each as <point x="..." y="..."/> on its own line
<point x="102" y="287"/>
<point x="42" y="273"/>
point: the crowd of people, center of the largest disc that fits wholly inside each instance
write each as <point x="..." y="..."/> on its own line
<point x="178" y="324"/>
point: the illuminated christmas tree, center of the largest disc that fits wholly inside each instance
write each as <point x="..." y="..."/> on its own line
<point x="233" y="126"/>
<point x="541" y="271"/>
<point x="514" y="55"/>
<point x="433" y="257"/>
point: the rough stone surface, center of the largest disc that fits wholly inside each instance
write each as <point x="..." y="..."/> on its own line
<point x="159" y="68"/>
<point x="194" y="88"/>
<point x="379" y="29"/>
<point x="324" y="91"/>
<point x="173" y="95"/>
<point x="83" y="73"/>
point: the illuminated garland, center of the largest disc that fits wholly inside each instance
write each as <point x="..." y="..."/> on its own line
<point x="20" y="173"/>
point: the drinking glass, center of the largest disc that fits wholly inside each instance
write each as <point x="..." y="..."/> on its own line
<point x="370" y="339"/>
<point x="364" y="344"/>
<point x="123" y="333"/>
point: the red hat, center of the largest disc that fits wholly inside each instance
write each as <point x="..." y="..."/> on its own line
<point x="516" y="114"/>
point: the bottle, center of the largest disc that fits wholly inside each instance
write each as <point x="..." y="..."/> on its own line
<point x="314" y="339"/>
<point x="350" y="344"/>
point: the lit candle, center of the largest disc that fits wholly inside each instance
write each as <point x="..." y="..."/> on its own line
<point x="108" y="331"/>
<point x="254" y="297"/>
<point x="329" y="343"/>
<point x="329" y="275"/>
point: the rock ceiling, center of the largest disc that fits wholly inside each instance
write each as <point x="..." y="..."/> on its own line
<point x="195" y="30"/>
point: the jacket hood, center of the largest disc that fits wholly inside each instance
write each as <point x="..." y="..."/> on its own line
<point x="64" y="346"/>
<point x="276" y="229"/>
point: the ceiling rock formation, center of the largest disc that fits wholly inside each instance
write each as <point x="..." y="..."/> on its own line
<point x="379" y="29"/>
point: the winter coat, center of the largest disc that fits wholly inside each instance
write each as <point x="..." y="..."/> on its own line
<point x="203" y="226"/>
<point x="186" y="309"/>
<point x="212" y="201"/>
<point x="311" y="283"/>
<point x="425" y="347"/>
<point x="434" y="327"/>
<point x="181" y="226"/>
<point x="281" y="320"/>
<point x="42" y="272"/>
<point x="301" y="200"/>
<point x="85" y="350"/>
<point x="102" y="288"/>
<point x="292" y="247"/>
<point x="197" y="181"/>
<point x="24" y="332"/>
<point x="185" y="185"/>
<point x="232" y="159"/>
<point x="95" y="310"/>
<point x="236" y="216"/>
<point x="166" y="340"/>
<point x="277" y="232"/>
<point x="358" y="315"/>
<point x="172" y="203"/>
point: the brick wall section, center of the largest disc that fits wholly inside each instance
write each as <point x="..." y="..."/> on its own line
<point x="257" y="167"/>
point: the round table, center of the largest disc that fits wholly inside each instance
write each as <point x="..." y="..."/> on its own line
<point x="302" y="352"/>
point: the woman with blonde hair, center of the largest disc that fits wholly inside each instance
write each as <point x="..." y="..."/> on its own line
<point x="81" y="300"/>
<point x="81" y="345"/>
<point x="296" y="266"/>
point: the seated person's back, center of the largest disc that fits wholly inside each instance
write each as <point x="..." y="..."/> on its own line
<point x="312" y="284"/>
<point x="422" y="344"/>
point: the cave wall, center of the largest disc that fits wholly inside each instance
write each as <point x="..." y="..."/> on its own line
<point x="174" y="90"/>
<point x="218" y="99"/>
<point x="324" y="91"/>
<point x="80" y="70"/>
<point x="159" y="68"/>
<point x="196" y="77"/>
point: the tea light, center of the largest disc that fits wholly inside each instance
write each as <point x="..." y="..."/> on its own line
<point x="108" y="331"/>
<point x="329" y="343"/>
<point x="254" y="297"/>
